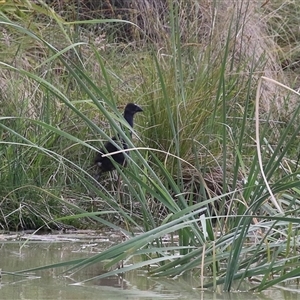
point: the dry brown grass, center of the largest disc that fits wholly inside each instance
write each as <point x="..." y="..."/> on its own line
<point x="202" y="24"/>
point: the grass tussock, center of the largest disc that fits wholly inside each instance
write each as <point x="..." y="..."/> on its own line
<point x="214" y="156"/>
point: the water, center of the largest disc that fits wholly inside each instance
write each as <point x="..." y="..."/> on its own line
<point x="19" y="252"/>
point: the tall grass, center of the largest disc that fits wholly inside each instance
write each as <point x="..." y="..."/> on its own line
<point x="209" y="165"/>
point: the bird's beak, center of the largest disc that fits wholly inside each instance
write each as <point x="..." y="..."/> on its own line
<point x="138" y="109"/>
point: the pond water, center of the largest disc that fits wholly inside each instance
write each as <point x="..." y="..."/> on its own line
<point x="25" y="251"/>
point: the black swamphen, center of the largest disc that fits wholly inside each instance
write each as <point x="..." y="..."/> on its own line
<point x="104" y="163"/>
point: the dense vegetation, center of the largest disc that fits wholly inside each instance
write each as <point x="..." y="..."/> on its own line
<point x="214" y="161"/>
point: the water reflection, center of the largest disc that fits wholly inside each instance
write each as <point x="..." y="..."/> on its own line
<point x="54" y="284"/>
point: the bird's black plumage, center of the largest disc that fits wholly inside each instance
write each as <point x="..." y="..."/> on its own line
<point x="105" y="164"/>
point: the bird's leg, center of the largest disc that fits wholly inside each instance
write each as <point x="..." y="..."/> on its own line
<point x="119" y="189"/>
<point x="97" y="176"/>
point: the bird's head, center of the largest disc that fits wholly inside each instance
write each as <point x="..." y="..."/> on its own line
<point x="132" y="109"/>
